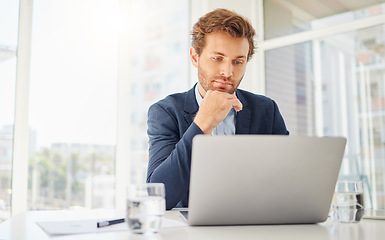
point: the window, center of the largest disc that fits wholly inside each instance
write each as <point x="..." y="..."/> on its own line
<point x="334" y="86"/>
<point x="73" y="88"/>
<point x="9" y="12"/>
<point x="73" y="94"/>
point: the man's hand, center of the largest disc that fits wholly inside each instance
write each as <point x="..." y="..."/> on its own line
<point x="214" y="108"/>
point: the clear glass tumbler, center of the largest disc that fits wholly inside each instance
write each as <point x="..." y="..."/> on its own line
<point x="145" y="207"/>
<point x="347" y="204"/>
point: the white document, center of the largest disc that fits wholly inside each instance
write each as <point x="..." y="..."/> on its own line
<point x="90" y="226"/>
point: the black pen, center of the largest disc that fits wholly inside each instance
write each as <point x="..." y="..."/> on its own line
<point x="111" y="222"/>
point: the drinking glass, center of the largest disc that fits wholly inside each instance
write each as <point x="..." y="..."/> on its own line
<point x="347" y="204"/>
<point x="145" y="207"/>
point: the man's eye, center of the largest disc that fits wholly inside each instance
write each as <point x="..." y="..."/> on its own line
<point x="238" y="62"/>
<point x="217" y="58"/>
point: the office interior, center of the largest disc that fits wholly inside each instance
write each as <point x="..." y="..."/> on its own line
<point x="77" y="78"/>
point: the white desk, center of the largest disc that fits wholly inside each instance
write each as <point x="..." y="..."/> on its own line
<point x="23" y="227"/>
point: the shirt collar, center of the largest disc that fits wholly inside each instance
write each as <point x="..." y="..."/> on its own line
<point x="198" y="95"/>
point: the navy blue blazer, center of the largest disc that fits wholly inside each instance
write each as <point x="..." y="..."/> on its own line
<point x="171" y="130"/>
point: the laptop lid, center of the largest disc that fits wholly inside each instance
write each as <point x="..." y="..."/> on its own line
<point x="263" y="179"/>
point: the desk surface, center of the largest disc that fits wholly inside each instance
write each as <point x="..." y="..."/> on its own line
<point x="23" y="226"/>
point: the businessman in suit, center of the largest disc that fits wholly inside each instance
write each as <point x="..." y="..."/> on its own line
<point x="222" y="44"/>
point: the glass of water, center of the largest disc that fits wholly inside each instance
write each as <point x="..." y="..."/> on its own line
<point x="145" y="207"/>
<point x="347" y="204"/>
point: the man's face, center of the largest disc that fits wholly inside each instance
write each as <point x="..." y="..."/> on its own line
<point x="222" y="63"/>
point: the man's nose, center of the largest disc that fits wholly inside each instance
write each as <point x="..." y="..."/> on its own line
<point x="226" y="69"/>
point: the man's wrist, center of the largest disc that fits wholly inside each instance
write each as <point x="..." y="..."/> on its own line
<point x="204" y="126"/>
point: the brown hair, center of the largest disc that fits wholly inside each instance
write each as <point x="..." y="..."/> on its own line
<point x="222" y="20"/>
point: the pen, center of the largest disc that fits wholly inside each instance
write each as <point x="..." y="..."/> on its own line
<point x="111" y="222"/>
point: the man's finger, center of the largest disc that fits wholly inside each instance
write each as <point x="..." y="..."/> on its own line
<point x="237" y="105"/>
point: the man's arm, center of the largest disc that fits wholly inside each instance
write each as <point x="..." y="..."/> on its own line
<point x="169" y="155"/>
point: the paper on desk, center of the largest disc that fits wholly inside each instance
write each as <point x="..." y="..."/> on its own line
<point x="89" y="226"/>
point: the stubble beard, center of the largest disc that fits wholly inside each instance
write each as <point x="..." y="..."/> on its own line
<point x="206" y="81"/>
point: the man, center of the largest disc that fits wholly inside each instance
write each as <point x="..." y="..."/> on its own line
<point x="222" y="44"/>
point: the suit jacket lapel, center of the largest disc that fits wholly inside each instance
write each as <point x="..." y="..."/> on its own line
<point x="243" y="117"/>
<point x="190" y="106"/>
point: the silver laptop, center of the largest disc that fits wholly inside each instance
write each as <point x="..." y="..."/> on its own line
<point x="263" y="179"/>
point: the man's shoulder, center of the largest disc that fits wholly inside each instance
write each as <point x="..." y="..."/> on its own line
<point x="173" y="99"/>
<point x="172" y="103"/>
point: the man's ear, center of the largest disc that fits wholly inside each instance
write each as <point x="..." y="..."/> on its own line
<point x="194" y="57"/>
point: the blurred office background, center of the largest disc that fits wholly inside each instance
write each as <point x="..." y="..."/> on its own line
<point x="77" y="78"/>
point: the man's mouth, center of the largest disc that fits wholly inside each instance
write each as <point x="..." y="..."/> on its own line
<point x="222" y="83"/>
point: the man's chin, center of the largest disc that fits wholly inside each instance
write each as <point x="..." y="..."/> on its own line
<point x="225" y="90"/>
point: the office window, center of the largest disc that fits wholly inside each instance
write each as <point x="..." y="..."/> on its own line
<point x="335" y="86"/>
<point x="72" y="112"/>
<point x="283" y="17"/>
<point x="159" y="66"/>
<point x="9" y="12"/>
